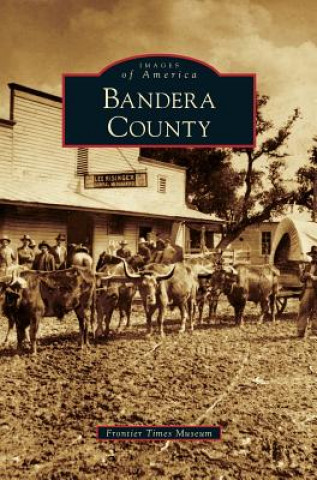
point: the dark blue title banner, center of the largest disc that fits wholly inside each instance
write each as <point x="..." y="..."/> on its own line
<point x="159" y="100"/>
<point x="158" y="432"/>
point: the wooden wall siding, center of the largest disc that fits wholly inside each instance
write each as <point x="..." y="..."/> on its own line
<point x="6" y="139"/>
<point x="131" y="233"/>
<point x="100" y="235"/>
<point x="144" y="196"/>
<point x="105" y="160"/>
<point x="40" y="224"/>
<point x="38" y="147"/>
<point x="102" y="238"/>
<point x="252" y="241"/>
<point x="38" y="153"/>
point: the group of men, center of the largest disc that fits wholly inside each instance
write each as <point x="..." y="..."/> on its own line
<point x="47" y="258"/>
<point x="50" y="258"/>
<point x="160" y="251"/>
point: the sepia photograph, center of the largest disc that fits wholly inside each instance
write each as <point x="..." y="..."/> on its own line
<point x="158" y="301"/>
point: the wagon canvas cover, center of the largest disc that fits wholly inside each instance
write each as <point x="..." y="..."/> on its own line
<point x="292" y="240"/>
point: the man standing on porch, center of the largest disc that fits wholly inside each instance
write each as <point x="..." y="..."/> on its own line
<point x="7" y="256"/>
<point x="60" y="252"/>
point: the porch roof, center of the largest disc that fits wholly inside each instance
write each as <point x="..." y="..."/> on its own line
<point x="52" y="195"/>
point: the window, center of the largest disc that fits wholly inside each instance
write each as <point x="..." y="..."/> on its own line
<point x="161" y="184"/>
<point x="209" y="239"/>
<point x="116" y="226"/>
<point x="195" y="239"/>
<point x="266" y="243"/>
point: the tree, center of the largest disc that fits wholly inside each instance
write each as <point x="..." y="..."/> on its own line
<point x="205" y="167"/>
<point x="251" y="194"/>
<point x="307" y="177"/>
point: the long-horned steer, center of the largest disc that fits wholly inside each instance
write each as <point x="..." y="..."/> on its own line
<point x="119" y="292"/>
<point x="258" y="284"/>
<point x="161" y="286"/>
<point x="33" y="295"/>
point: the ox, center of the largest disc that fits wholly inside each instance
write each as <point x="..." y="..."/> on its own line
<point x="78" y="256"/>
<point x="160" y="288"/>
<point x="33" y="295"/>
<point x="209" y="291"/>
<point x="82" y="259"/>
<point x="4" y="283"/>
<point x="210" y="287"/>
<point x="118" y="293"/>
<point x="258" y="284"/>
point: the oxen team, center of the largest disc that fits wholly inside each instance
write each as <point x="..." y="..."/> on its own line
<point x="27" y="296"/>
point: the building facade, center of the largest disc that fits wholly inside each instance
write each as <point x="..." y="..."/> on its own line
<point x="95" y="196"/>
<point x="254" y="244"/>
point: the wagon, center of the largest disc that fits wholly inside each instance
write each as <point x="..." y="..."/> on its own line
<point x="291" y="242"/>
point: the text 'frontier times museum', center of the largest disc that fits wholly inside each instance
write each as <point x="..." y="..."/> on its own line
<point x="95" y="196"/>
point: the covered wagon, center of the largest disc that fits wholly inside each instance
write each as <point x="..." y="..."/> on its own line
<point x="291" y="242"/>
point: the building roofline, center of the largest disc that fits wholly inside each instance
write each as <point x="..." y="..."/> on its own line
<point x="39" y="93"/>
<point x="157" y="162"/>
<point x="51" y="206"/>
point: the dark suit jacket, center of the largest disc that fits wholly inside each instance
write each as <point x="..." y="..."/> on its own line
<point x="44" y="262"/>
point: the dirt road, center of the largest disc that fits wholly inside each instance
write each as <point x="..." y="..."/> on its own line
<point x="259" y="383"/>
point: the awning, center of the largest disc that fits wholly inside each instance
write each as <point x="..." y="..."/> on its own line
<point x="52" y="195"/>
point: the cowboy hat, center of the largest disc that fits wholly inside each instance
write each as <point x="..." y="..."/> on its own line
<point x="44" y="244"/>
<point x="142" y="240"/>
<point x="32" y="244"/>
<point x="313" y="250"/>
<point x="25" y="237"/>
<point x="160" y="242"/>
<point x="123" y="242"/>
<point x="61" y="236"/>
<point x="5" y="237"/>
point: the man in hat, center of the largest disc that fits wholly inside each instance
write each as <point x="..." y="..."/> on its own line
<point x="7" y="255"/>
<point x="124" y="251"/>
<point x="144" y="251"/>
<point x="44" y="260"/>
<point x="169" y="252"/>
<point x="32" y="244"/>
<point x="158" y="252"/>
<point x="60" y="252"/>
<point x="308" y="303"/>
<point x="26" y="254"/>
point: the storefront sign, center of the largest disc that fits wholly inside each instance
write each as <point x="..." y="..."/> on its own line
<point x="115" y="180"/>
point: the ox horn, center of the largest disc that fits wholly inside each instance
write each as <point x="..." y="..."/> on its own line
<point x="15" y="275"/>
<point x="165" y="276"/>
<point x="6" y="279"/>
<point x="128" y="274"/>
<point x="102" y="276"/>
<point x="230" y="269"/>
<point x="205" y="273"/>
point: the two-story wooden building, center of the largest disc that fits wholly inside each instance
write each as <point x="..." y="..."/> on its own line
<point x="94" y="196"/>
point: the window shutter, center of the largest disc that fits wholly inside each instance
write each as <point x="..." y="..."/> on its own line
<point x="82" y="161"/>
<point x="161" y="184"/>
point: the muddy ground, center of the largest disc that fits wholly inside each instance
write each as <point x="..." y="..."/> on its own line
<point x="259" y="383"/>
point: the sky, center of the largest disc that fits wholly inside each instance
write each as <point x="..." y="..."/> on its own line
<point x="276" y="39"/>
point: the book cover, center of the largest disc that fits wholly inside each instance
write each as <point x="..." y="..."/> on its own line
<point x="243" y="200"/>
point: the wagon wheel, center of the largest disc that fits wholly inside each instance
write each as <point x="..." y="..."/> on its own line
<point x="280" y="304"/>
